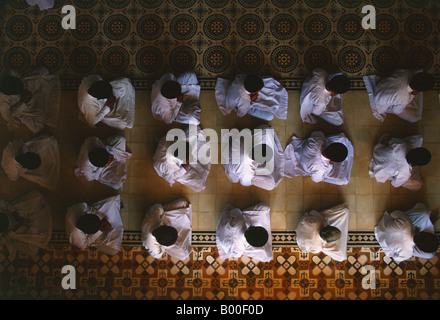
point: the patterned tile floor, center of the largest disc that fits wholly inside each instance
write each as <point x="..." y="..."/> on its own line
<point x="144" y="38"/>
<point x="133" y="274"/>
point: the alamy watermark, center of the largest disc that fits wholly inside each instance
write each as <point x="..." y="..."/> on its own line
<point x="195" y="145"/>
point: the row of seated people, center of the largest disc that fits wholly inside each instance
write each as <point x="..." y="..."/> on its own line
<point x="34" y="100"/>
<point x="25" y="226"/>
<point x="323" y="158"/>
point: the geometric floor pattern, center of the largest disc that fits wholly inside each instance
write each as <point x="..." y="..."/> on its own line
<point x="143" y="39"/>
<point x="133" y="274"/>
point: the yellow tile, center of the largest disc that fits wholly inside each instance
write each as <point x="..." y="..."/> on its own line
<point x="295" y="203"/>
<point x="278" y="202"/>
<point x="312" y="202"/>
<point x="294" y="185"/>
<point x="292" y="219"/>
<point x="364" y="204"/>
<point x="311" y="187"/>
<point x="382" y="203"/>
<point x="207" y="203"/>
<point x="278" y="220"/>
<point x="364" y="186"/>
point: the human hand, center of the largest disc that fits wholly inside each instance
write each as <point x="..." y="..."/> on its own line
<point x="26" y="96"/>
<point x="110" y="102"/>
<point x="111" y="158"/>
<point x="105" y="225"/>
<point x="254" y="96"/>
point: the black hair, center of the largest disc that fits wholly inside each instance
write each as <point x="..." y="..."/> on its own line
<point x="171" y="89"/>
<point x="339" y="84"/>
<point x="4" y="222"/>
<point x="11" y="85"/>
<point x="99" y="157"/>
<point x="330" y="233"/>
<point x="256" y="236"/>
<point x="336" y="152"/>
<point x="29" y="160"/>
<point x="165" y="235"/>
<point x="89" y="223"/>
<point x="418" y="157"/>
<point x="101" y="90"/>
<point x="426" y="241"/>
<point x="422" y="81"/>
<point x="253" y="83"/>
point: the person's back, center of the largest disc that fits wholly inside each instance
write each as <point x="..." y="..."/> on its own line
<point x="106" y="163"/>
<point x="37" y="160"/>
<point x="176" y="98"/>
<point x="403" y="235"/>
<point x="32" y="100"/>
<point x="192" y="173"/>
<point x="325" y="231"/>
<point x="401" y="94"/>
<point x="395" y="159"/>
<point x="98" y="225"/>
<point x="314" y="157"/>
<point x="26" y="223"/>
<point x="321" y="96"/>
<point x="167" y="229"/>
<point x="245" y="233"/>
<point x="109" y="102"/>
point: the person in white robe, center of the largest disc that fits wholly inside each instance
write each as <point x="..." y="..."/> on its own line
<point x="102" y="230"/>
<point x="323" y="158"/>
<point x="261" y="163"/>
<point x="401" y="94"/>
<point x="167" y="229"/>
<point x="192" y="166"/>
<point x="176" y="99"/>
<point x="245" y="233"/>
<point x="261" y="97"/>
<point x="42" y="4"/>
<point x="37" y="160"/>
<point x="25" y="224"/>
<point x="105" y="162"/>
<point x="325" y="231"/>
<point x="397" y="160"/>
<point x="403" y="235"/>
<point x="112" y="103"/>
<point x="32" y="101"/>
<point x="321" y="97"/>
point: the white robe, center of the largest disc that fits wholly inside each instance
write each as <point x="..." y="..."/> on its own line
<point x="46" y="147"/>
<point x="393" y="95"/>
<point x="177" y="214"/>
<point x="230" y="239"/>
<point x="232" y="96"/>
<point x="169" y="110"/>
<point x="36" y="231"/>
<point x="304" y="157"/>
<point x="316" y="101"/>
<point x="247" y="171"/>
<point x="113" y="174"/>
<point x="94" y="111"/>
<point x="395" y="232"/>
<point x="42" y="109"/>
<point x="108" y="242"/>
<point x="307" y="232"/>
<point x="172" y="169"/>
<point x="389" y="162"/>
<point x="43" y="4"/>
